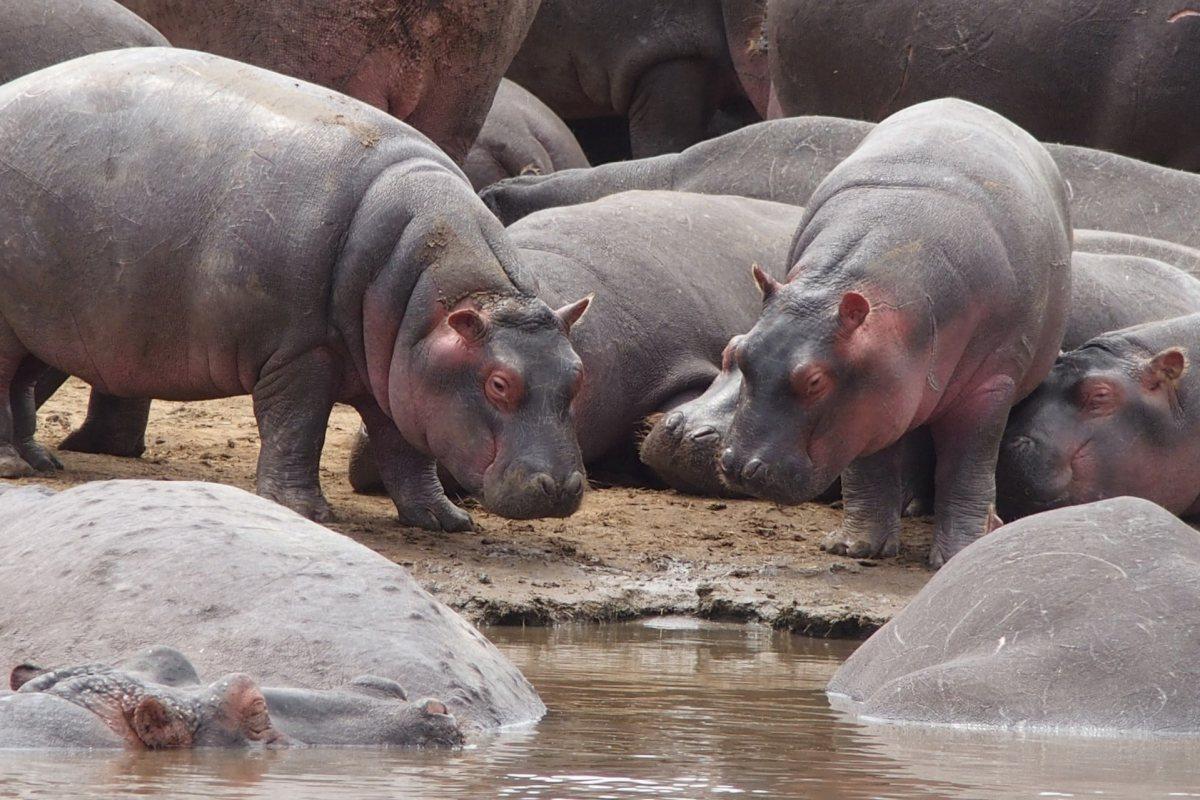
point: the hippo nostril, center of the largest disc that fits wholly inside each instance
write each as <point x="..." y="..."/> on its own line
<point x="727" y="462"/>
<point x="545" y="483"/>
<point x="673" y="422"/>
<point x="703" y="434"/>
<point x="573" y="485"/>
<point x="754" y="468"/>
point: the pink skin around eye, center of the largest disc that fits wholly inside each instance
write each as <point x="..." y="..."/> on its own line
<point x="503" y="390"/>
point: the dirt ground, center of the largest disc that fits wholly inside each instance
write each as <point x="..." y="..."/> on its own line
<point x="627" y="553"/>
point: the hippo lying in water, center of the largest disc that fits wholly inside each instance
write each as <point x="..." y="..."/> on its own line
<point x="340" y="256"/>
<point x="1078" y="618"/>
<point x="156" y="700"/>
<point x="105" y="569"/>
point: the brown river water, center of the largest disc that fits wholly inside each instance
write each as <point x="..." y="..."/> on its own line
<point x="669" y="708"/>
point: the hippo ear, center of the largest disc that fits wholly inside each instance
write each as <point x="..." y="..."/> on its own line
<point x="766" y="284"/>
<point x="431" y="707"/>
<point x="159" y="727"/>
<point x="23" y="674"/>
<point x="853" y="310"/>
<point x="1166" y="367"/>
<point x="468" y="323"/>
<point x="571" y="313"/>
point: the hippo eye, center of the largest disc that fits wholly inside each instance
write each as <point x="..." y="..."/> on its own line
<point x="810" y="384"/>
<point x="502" y="391"/>
<point x="1096" y="398"/>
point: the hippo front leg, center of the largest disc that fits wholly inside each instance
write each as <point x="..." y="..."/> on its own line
<point x="409" y="476"/>
<point x="292" y="403"/>
<point x="24" y="418"/>
<point x="873" y="495"/>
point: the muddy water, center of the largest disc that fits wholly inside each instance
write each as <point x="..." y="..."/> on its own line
<point x="671" y="709"/>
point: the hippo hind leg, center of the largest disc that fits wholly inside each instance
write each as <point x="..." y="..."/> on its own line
<point x="18" y="418"/>
<point x="115" y="426"/>
<point x="24" y="412"/>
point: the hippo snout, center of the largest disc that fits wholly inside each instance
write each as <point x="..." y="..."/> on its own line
<point x="787" y="483"/>
<point x="529" y="493"/>
<point x="1031" y="476"/>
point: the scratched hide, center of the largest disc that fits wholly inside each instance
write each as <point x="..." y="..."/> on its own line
<point x="1085" y="618"/>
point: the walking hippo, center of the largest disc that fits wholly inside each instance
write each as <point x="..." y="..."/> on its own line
<point x="1112" y="74"/>
<point x="1061" y="621"/>
<point x="1117" y="416"/>
<point x="334" y="254"/>
<point x="521" y="136"/>
<point x="39" y="33"/>
<point x="111" y="568"/>
<point x="135" y="697"/>
<point x="1117" y="280"/>
<point x="784" y="160"/>
<point x="433" y="65"/>
<point x="929" y="286"/>
<point x="642" y="354"/>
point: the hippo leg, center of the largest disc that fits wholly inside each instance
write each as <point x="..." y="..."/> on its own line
<point x="966" y="441"/>
<point x="292" y="404"/>
<point x="409" y="476"/>
<point x="671" y="107"/>
<point x="364" y="476"/>
<point x="115" y="426"/>
<point x="24" y="413"/>
<point x="873" y="494"/>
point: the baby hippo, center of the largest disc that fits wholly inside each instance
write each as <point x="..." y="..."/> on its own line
<point x="1118" y="416"/>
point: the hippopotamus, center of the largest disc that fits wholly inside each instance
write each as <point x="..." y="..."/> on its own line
<point x="666" y="66"/>
<point x="1059" y="621"/>
<point x="1117" y="280"/>
<point x="43" y="721"/>
<point x="1116" y="416"/>
<point x="521" y="136"/>
<point x="433" y="65"/>
<point x="784" y="160"/>
<point x="1109" y="74"/>
<point x="107" y="569"/>
<point x="156" y="700"/>
<point x="929" y="285"/>
<point x="643" y="356"/>
<point x="377" y="279"/>
<point x="40" y="33"/>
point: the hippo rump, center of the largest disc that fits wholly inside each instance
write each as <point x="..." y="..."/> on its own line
<point x="104" y="570"/>
<point x="521" y="136"/>
<point x="39" y="33"/>
<point x="928" y="288"/>
<point x="665" y="66"/>
<point x="434" y="65"/>
<point x="1111" y="74"/>
<point x="643" y="355"/>
<point x="1117" y="280"/>
<point x="334" y="254"/>
<point x="1081" y="618"/>
<point x="1117" y="416"/>
<point x="784" y="160"/>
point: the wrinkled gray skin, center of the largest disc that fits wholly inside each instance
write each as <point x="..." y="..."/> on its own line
<point x="784" y="160"/>
<point x="39" y="33"/>
<point x="1116" y="283"/>
<point x="665" y="65"/>
<point x="521" y="136"/>
<point x="376" y="279"/>
<point x="929" y="288"/>
<point x="110" y="568"/>
<point x="1078" y="618"/>
<point x="1117" y="416"/>
<point x="366" y="711"/>
<point x="661" y="261"/>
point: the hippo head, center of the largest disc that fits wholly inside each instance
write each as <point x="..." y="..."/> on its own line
<point x="1095" y="428"/>
<point x="425" y="723"/>
<point x="820" y="386"/>
<point x="683" y="446"/>
<point x="487" y="392"/>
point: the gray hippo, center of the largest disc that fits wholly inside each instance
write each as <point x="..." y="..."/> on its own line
<point x="1117" y="280"/>
<point x="1112" y="74"/>
<point x="929" y="287"/>
<point x="784" y="160"/>
<point x="39" y="33"/>
<point x="663" y="260"/>
<point x="278" y="239"/>
<point x="521" y="136"/>
<point x="43" y="721"/>
<point x="1081" y="618"/>
<point x="106" y="569"/>
<point x="156" y="700"/>
<point x="435" y="65"/>
<point x="1116" y="416"/>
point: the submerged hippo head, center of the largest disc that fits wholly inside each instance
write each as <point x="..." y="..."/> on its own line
<point x="487" y="391"/>
<point x="1104" y="423"/>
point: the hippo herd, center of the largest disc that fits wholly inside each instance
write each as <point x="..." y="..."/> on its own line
<point x="391" y="204"/>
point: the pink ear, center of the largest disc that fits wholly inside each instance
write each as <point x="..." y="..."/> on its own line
<point x="571" y="313"/>
<point x="23" y="674"/>
<point x="1166" y="367"/>
<point x="158" y="727"/>
<point x="766" y="284"/>
<point x="853" y="310"/>
<point x="468" y="323"/>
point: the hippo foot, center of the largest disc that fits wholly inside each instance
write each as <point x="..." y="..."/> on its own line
<point x="841" y="543"/>
<point x="441" y="516"/>
<point x="12" y="465"/>
<point x="37" y="456"/>
<point x="945" y="547"/>
<point x="90" y="440"/>
<point x="308" y="504"/>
